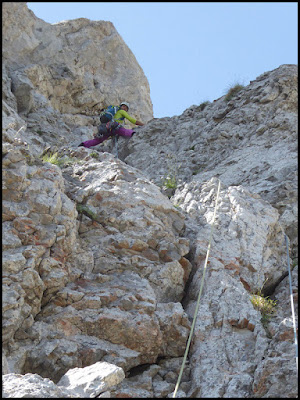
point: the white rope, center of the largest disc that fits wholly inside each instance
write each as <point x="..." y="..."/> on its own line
<point x="198" y="300"/>
<point x="116" y="144"/>
<point x="292" y="300"/>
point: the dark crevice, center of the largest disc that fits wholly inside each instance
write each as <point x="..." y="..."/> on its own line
<point x="190" y="257"/>
<point x="138" y="370"/>
<point x="269" y="290"/>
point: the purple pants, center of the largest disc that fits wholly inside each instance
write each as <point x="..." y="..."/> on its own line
<point x="119" y="132"/>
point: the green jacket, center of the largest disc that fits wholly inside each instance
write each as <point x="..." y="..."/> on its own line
<point x="121" y="114"/>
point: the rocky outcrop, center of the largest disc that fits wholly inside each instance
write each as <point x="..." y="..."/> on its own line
<point x="117" y="274"/>
<point x="103" y="257"/>
<point x="248" y="140"/>
<point x="61" y="75"/>
<point x="90" y="382"/>
<point x="249" y="143"/>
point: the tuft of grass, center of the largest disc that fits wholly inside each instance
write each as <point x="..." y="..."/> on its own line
<point x="83" y="209"/>
<point x="58" y="160"/>
<point x="203" y="105"/>
<point x="265" y="305"/>
<point x="233" y="90"/>
<point x="94" y="154"/>
<point x="51" y="158"/>
<point x="170" y="180"/>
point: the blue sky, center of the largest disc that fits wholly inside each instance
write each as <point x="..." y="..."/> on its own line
<point x="193" y="52"/>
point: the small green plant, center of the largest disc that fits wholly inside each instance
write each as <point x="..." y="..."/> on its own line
<point x="94" y="154"/>
<point x="233" y="90"/>
<point x="170" y="180"/>
<point x="203" y="105"/>
<point x="51" y="158"/>
<point x="83" y="209"/>
<point x="265" y="305"/>
<point x="58" y="160"/>
<point x="178" y="205"/>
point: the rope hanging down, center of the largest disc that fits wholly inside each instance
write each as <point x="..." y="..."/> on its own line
<point x="116" y="144"/>
<point x="292" y="301"/>
<point x="199" y="296"/>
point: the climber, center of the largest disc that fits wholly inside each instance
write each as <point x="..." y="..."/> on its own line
<point x="119" y="117"/>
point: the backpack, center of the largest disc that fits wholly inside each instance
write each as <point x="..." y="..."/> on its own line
<point x="102" y="130"/>
<point x="112" y="126"/>
<point x="108" y="128"/>
<point x="108" y="113"/>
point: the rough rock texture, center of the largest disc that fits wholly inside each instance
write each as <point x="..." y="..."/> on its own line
<point x="116" y="274"/>
<point x="93" y="380"/>
<point x="248" y="140"/>
<point x="103" y="257"/>
<point x="280" y="355"/>
<point x="31" y="385"/>
<point x="62" y="75"/>
<point x="89" y="382"/>
<point x="247" y="243"/>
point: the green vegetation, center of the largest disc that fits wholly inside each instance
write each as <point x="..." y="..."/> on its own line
<point x="170" y="180"/>
<point x="83" y="209"/>
<point x="203" y="105"/>
<point x="60" y="161"/>
<point x="233" y="90"/>
<point x="178" y="205"/>
<point x="265" y="305"/>
<point x="94" y="154"/>
<point x="51" y="158"/>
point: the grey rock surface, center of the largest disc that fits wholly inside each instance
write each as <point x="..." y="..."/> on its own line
<point x="103" y="257"/>
<point x="92" y="380"/>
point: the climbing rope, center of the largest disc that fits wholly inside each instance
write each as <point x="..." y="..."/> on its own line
<point x="292" y="300"/>
<point x="199" y="296"/>
<point x="116" y="144"/>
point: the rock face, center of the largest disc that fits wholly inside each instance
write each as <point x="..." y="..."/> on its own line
<point x="103" y="258"/>
<point x="61" y="75"/>
<point x="249" y="140"/>
<point x="88" y="382"/>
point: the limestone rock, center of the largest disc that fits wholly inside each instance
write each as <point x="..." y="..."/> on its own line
<point x="93" y="380"/>
<point x="88" y="382"/>
<point x="226" y="314"/>
<point x="103" y="257"/>
<point x="38" y="217"/>
<point x="63" y="74"/>
<point x="31" y="385"/>
<point x="254" y="144"/>
<point x="118" y="279"/>
<point x="271" y="374"/>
